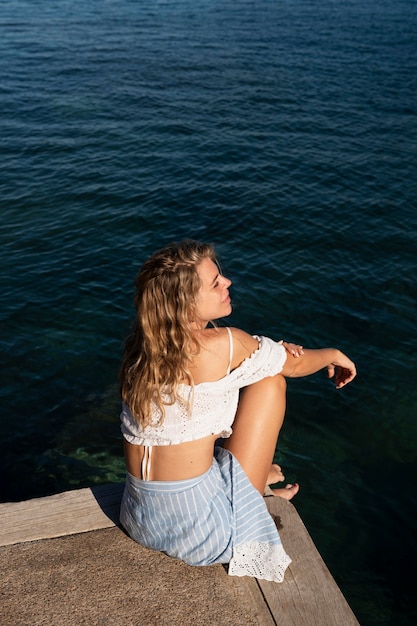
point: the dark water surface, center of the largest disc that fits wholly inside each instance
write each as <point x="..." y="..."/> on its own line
<point x="285" y="132"/>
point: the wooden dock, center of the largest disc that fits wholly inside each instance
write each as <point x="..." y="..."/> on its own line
<point x="110" y="580"/>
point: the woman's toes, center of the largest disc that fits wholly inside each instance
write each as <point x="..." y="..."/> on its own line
<point x="287" y="492"/>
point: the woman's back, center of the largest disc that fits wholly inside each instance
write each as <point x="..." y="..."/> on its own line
<point x="190" y="458"/>
<point x="182" y="447"/>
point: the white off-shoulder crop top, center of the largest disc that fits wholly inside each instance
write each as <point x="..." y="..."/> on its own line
<point x="214" y="404"/>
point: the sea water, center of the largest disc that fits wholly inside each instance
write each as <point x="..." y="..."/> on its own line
<point x="282" y="131"/>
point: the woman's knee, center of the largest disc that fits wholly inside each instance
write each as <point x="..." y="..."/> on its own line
<point x="269" y="389"/>
<point x="274" y="385"/>
<point x="280" y="381"/>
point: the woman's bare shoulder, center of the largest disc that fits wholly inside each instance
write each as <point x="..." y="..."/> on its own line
<point x="212" y="360"/>
<point x="244" y="345"/>
<point x="220" y="336"/>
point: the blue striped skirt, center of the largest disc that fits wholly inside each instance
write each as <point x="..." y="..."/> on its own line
<point x="218" y="517"/>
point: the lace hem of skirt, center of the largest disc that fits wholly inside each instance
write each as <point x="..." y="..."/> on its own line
<point x="260" y="560"/>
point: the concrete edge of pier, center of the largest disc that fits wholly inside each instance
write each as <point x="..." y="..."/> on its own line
<point x="66" y="561"/>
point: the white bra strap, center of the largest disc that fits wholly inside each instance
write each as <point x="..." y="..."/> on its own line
<point x="230" y="349"/>
<point x="146" y="462"/>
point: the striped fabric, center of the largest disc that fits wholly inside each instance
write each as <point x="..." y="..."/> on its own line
<point x="218" y="517"/>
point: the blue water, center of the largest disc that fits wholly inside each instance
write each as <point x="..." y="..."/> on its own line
<point x="284" y="131"/>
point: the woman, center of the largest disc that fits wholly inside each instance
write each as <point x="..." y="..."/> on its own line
<point x="186" y="383"/>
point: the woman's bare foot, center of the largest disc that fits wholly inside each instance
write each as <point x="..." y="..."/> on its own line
<point x="275" y="475"/>
<point x="287" y="492"/>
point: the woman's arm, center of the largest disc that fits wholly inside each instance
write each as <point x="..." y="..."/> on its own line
<point x="300" y="361"/>
<point x="312" y="361"/>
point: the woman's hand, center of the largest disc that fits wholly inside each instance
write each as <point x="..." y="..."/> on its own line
<point x="344" y="369"/>
<point x="292" y="348"/>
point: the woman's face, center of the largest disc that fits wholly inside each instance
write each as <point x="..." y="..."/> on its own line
<point x="213" y="300"/>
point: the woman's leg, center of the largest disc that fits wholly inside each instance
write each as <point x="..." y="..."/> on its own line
<point x="258" y="420"/>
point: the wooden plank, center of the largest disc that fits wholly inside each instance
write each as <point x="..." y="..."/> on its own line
<point x="65" y="513"/>
<point x="309" y="596"/>
<point x="249" y="589"/>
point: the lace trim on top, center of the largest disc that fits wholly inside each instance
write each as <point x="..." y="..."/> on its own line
<point x="214" y="404"/>
<point x="260" y="560"/>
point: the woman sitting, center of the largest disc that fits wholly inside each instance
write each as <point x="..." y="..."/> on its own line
<point x="185" y="384"/>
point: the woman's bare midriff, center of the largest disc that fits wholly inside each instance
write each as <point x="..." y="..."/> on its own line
<point x="175" y="462"/>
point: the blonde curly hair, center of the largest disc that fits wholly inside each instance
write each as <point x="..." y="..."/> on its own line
<point x="159" y="351"/>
